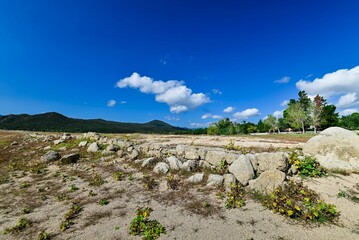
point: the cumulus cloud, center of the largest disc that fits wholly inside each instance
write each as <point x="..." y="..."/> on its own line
<point x="111" y="103"/>
<point x="349" y="111"/>
<point x="229" y="109"/>
<point x="174" y="93"/>
<point x="284" y="103"/>
<point x="278" y="114"/>
<point x="284" y="79"/>
<point x="340" y="82"/>
<point x="347" y="100"/>
<point x="207" y="115"/>
<point x="250" y="112"/>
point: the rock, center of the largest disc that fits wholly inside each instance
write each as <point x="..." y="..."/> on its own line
<point x="83" y="144"/>
<point x="204" y="164"/>
<point x="191" y="153"/>
<point x="189" y="165"/>
<point x="161" y="168"/>
<point x="70" y="158"/>
<point x="197" y="178"/>
<point x="271" y="161"/>
<point x="229" y="179"/>
<point x="47" y="148"/>
<point x="62" y="149"/>
<point x="148" y="161"/>
<point x="174" y="163"/>
<point x="215" y="180"/>
<point x="58" y="141"/>
<point x="134" y="154"/>
<point x="93" y="147"/>
<point x="14" y="143"/>
<point x="120" y="153"/>
<point x="214" y="157"/>
<point x="163" y="186"/>
<point x="50" y="156"/>
<point x="268" y="181"/>
<point x="335" y="149"/>
<point x="112" y="148"/>
<point x="66" y="136"/>
<point x="180" y="149"/>
<point x="130" y="149"/>
<point x="242" y="169"/>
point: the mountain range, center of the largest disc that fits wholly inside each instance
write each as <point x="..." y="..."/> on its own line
<point x="56" y="122"/>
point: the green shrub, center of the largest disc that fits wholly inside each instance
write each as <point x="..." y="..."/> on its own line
<point x="141" y="225"/>
<point x="149" y="183"/>
<point x="103" y="202"/>
<point x="298" y="202"/>
<point x="222" y="167"/>
<point x="307" y="167"/>
<point x="235" y="196"/>
<point x="96" y="180"/>
<point x="69" y="216"/>
<point x="43" y="235"/>
<point x="118" y="176"/>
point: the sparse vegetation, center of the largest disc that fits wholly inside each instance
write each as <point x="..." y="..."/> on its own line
<point x="172" y="182"/>
<point x="141" y="225"/>
<point x="118" y="176"/>
<point x="43" y="235"/>
<point x="222" y="167"/>
<point x="103" y="202"/>
<point x="149" y="183"/>
<point x="69" y="216"/>
<point x="96" y="180"/>
<point x="21" y="225"/>
<point x="73" y="188"/>
<point x="235" y="196"/>
<point x="307" y="167"/>
<point x="298" y="202"/>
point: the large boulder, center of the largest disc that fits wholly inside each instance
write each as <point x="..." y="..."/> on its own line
<point x="93" y="147"/>
<point x="242" y="169"/>
<point x="335" y="148"/>
<point x="174" y="163"/>
<point x="51" y="156"/>
<point x="161" y="168"/>
<point x="191" y="153"/>
<point x="214" y="157"/>
<point x="215" y="180"/>
<point x="270" y="161"/>
<point x="267" y="182"/>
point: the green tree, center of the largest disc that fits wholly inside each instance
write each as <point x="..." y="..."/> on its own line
<point x="212" y="130"/>
<point x="262" y="127"/>
<point x="329" y="117"/>
<point x="272" y="122"/>
<point x="296" y="116"/>
<point x="315" y="112"/>
<point x="350" y="122"/>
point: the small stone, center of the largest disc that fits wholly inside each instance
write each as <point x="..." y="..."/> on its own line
<point x="50" y="156"/>
<point x="70" y="158"/>
<point x="134" y="154"/>
<point x="58" y="141"/>
<point x="93" y="147"/>
<point x="62" y="149"/>
<point x="162" y="187"/>
<point x="161" y="168"/>
<point x="189" y="165"/>
<point x="14" y="143"/>
<point x="174" y="163"/>
<point x="148" y="161"/>
<point x="83" y="144"/>
<point x="215" y="180"/>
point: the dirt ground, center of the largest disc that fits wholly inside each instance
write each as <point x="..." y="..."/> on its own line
<point x="43" y="193"/>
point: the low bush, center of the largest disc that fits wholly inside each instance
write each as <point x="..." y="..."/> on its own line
<point x="235" y="196"/>
<point x="21" y="225"/>
<point x="307" y="167"/>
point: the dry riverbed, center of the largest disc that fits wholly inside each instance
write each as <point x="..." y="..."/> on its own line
<point x="43" y="193"/>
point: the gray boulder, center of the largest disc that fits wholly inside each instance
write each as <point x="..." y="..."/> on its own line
<point x="197" y="178"/>
<point x="214" y="157"/>
<point x="161" y="168"/>
<point x="70" y="158"/>
<point x="83" y="144"/>
<point x="242" y="169"/>
<point x="271" y="161"/>
<point x="189" y="165"/>
<point x="50" y="156"/>
<point x="335" y="148"/>
<point x="215" y="180"/>
<point x="191" y="153"/>
<point x="93" y="147"/>
<point x="148" y="161"/>
<point x="174" y="163"/>
<point x="267" y="182"/>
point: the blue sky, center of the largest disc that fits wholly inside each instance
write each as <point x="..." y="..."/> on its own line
<point x="183" y="62"/>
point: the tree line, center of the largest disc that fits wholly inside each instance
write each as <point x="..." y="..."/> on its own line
<point x="301" y="114"/>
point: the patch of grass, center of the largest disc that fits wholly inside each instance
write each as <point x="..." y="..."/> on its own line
<point x="63" y="197"/>
<point x="222" y="168"/>
<point x="172" y="182"/>
<point x="296" y="201"/>
<point x="141" y="225"/>
<point x="73" y="188"/>
<point x="149" y="183"/>
<point x="235" y="196"/>
<point x="96" y="180"/>
<point x="69" y="216"/>
<point x="92" y="193"/>
<point x="232" y="146"/>
<point x="307" y="167"/>
<point x="103" y="202"/>
<point x="22" y="224"/>
<point x="201" y="207"/>
<point x="118" y="176"/>
<point x="352" y="194"/>
<point x="43" y="235"/>
<point x="26" y="210"/>
<point x="24" y="185"/>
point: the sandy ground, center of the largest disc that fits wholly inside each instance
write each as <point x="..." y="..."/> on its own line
<point x="181" y="211"/>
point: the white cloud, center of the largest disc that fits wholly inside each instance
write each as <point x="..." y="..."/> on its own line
<point x="216" y="117"/>
<point x="342" y="81"/>
<point x="347" y="100"/>
<point x="123" y="102"/>
<point x="174" y="93"/>
<point x="207" y="115"/>
<point x="284" y="79"/>
<point x="200" y="125"/>
<point x="172" y="118"/>
<point x="349" y="111"/>
<point x="250" y="112"/>
<point x="111" y="103"/>
<point x="229" y="109"/>
<point x="278" y="114"/>
<point x="284" y="103"/>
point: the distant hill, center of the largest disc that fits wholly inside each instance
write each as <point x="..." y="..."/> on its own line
<point x="55" y="122"/>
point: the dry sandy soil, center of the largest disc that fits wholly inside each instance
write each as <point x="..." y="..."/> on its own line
<point x="28" y="183"/>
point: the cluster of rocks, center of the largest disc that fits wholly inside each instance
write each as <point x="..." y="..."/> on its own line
<point x="260" y="171"/>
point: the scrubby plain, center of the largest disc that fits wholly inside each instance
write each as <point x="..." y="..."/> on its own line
<point x="103" y="194"/>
